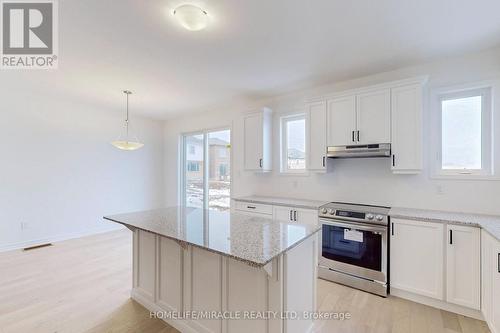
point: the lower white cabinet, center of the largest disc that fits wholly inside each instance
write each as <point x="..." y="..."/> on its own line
<point x="438" y="260"/>
<point x="292" y="214"/>
<point x="463" y="266"/>
<point x="417" y="257"/>
<point x="490" y="300"/>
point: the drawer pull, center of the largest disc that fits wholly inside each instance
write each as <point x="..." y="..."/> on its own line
<point x="251" y="207"/>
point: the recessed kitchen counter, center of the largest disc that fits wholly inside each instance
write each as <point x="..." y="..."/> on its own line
<point x="254" y="240"/>
<point x="490" y="223"/>
<point x="277" y="201"/>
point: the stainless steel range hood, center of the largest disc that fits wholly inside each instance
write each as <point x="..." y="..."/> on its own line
<point x="372" y="150"/>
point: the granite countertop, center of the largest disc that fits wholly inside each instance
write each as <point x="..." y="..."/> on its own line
<point x="298" y="203"/>
<point x="490" y="223"/>
<point x="254" y="240"/>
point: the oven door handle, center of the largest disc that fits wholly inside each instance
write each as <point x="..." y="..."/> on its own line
<point x="354" y="225"/>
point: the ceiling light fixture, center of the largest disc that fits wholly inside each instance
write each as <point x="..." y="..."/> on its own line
<point x="191" y="17"/>
<point x="127" y="144"/>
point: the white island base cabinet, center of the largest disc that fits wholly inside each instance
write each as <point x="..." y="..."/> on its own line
<point x="172" y="279"/>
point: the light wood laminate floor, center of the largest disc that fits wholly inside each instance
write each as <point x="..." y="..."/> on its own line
<point x="83" y="285"/>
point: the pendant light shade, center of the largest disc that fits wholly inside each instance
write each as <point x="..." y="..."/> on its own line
<point x="124" y="143"/>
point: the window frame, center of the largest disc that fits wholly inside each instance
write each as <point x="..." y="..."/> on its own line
<point x="487" y="171"/>
<point x="284" y="144"/>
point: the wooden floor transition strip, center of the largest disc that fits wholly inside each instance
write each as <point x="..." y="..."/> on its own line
<point x="36" y="247"/>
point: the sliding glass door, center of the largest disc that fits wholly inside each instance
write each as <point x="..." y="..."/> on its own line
<point x="207" y="169"/>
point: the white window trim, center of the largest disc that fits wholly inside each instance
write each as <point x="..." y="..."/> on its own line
<point x="283" y="145"/>
<point x="489" y="156"/>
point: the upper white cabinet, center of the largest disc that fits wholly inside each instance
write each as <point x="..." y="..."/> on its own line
<point x="258" y="140"/>
<point x="417" y="257"/>
<point x="362" y="118"/>
<point x="373" y="117"/>
<point x="463" y="266"/>
<point x="406" y="127"/>
<point x="317" y="136"/>
<point x="341" y="120"/>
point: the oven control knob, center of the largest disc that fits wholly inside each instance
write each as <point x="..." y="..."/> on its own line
<point x="379" y="217"/>
<point x="324" y="210"/>
<point x="331" y="211"/>
<point x="370" y="216"/>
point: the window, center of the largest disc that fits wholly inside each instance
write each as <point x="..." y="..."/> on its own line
<point x="193" y="166"/>
<point x="206" y="170"/>
<point x="293" y="144"/>
<point x="465" y="133"/>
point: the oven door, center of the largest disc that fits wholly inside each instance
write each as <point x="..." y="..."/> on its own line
<point x="354" y="248"/>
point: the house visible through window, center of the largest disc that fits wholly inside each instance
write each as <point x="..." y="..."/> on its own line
<point x="293" y="144"/>
<point x="466" y="133"/>
<point x="207" y="174"/>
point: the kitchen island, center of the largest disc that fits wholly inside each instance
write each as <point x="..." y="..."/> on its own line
<point x="208" y="271"/>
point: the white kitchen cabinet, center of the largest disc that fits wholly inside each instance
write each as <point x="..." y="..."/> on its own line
<point x="292" y="214"/>
<point x="362" y="118"/>
<point x="341" y="121"/>
<point x="490" y="300"/>
<point x="317" y="136"/>
<point x="487" y="271"/>
<point x="416" y="255"/>
<point x="495" y="309"/>
<point x="373" y="117"/>
<point x="253" y="209"/>
<point x="463" y="266"/>
<point x="406" y="127"/>
<point x="258" y="141"/>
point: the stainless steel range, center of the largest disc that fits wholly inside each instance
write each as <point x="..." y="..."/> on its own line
<point x="354" y="247"/>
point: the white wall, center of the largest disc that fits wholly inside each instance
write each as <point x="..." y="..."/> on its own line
<point x="362" y="181"/>
<point x="58" y="173"/>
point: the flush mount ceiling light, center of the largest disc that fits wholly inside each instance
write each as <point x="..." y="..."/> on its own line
<point x="126" y="143"/>
<point x="191" y="17"/>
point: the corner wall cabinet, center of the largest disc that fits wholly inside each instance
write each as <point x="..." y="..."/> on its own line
<point x="258" y="141"/>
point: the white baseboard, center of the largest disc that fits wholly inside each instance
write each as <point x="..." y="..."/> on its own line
<point x="58" y="238"/>
<point x="436" y="303"/>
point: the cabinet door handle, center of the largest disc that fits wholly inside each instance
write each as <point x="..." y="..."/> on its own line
<point x="392" y="228"/>
<point x="358" y="135"/>
<point x="353" y="137"/>
<point x="393" y="160"/>
<point x="291" y="219"/>
<point x="498" y="263"/>
<point x="260" y="162"/>
<point x="295" y="215"/>
<point x="451" y="237"/>
<point x="323" y="161"/>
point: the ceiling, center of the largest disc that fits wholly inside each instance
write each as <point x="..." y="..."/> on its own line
<point x="251" y="49"/>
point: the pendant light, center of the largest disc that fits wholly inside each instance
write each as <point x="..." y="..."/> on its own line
<point x="127" y="144"/>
